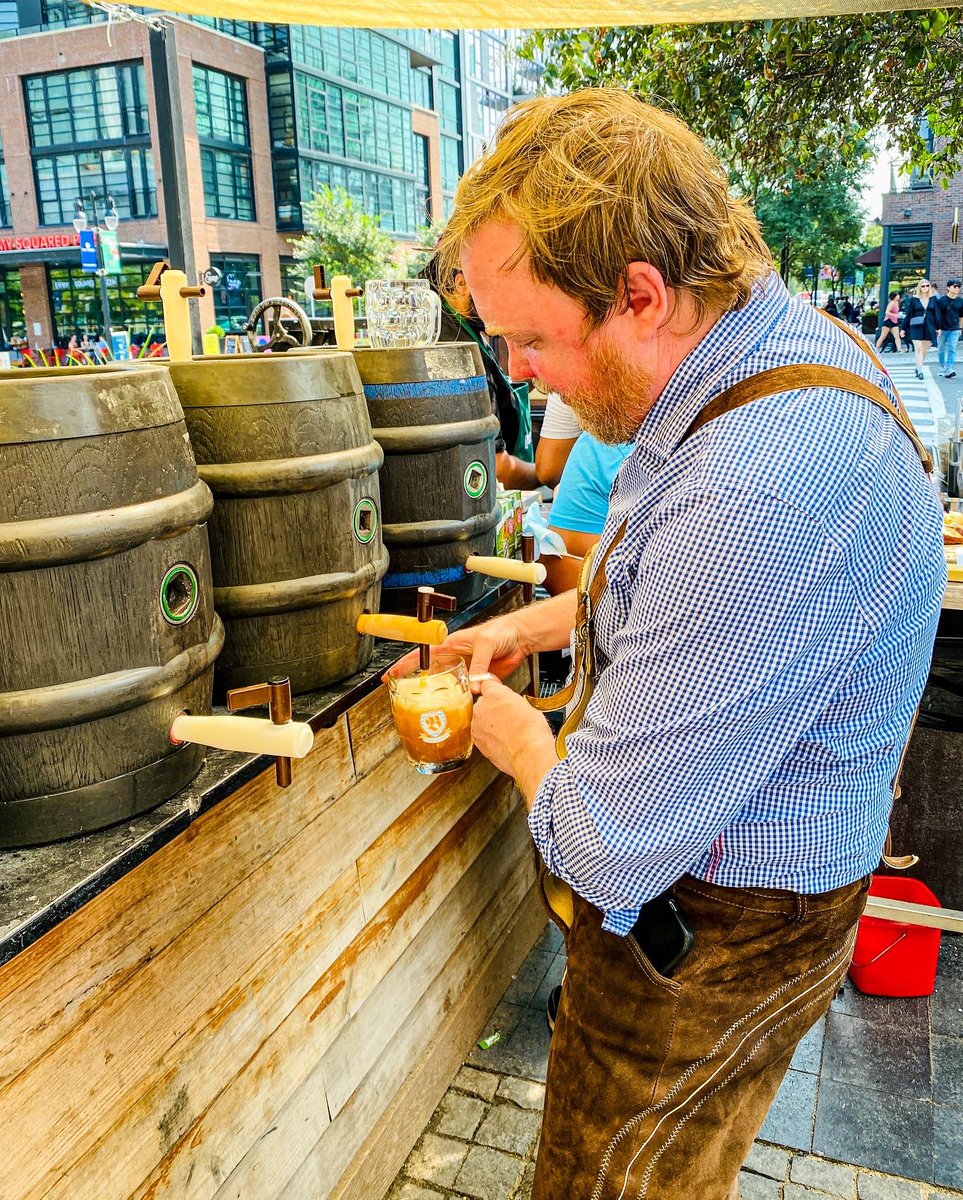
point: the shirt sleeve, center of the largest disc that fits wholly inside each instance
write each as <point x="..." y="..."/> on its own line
<point x="559" y="420"/>
<point x="743" y="624"/>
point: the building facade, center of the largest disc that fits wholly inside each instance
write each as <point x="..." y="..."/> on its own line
<point x="270" y="114"/>
<point x="921" y="231"/>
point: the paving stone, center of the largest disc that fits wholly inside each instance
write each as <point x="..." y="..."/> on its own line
<point x="758" y="1187"/>
<point x="876" y="1187"/>
<point x="799" y="1191"/>
<point x="459" y="1116"/>
<point x="436" y="1160"/>
<point x="831" y="1177"/>
<point x="477" y="1083"/>
<point x="530" y="974"/>
<point x="489" y="1174"/>
<point x="525" y="1190"/>
<point x="790" y="1120"/>
<point x="406" y="1190"/>
<point x="522" y="1092"/>
<point x="771" y="1161"/>
<point x="511" y="1129"/>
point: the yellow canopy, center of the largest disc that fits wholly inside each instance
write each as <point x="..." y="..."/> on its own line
<point x="509" y="14"/>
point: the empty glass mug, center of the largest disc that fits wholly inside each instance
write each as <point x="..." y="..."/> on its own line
<point x="432" y="711"/>
<point x="401" y="313"/>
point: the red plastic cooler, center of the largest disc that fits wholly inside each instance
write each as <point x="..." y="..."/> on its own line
<point x="893" y="959"/>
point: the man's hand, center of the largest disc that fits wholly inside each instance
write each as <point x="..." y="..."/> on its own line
<point x="513" y="736"/>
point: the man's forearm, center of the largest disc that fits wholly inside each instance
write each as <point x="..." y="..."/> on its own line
<point x="547" y="625"/>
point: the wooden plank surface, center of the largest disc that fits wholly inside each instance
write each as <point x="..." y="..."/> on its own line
<point x="234" y="1017"/>
<point x="374" y="1165"/>
<point x="386" y="1036"/>
<point x="244" y="1110"/>
<point x="55" y="984"/>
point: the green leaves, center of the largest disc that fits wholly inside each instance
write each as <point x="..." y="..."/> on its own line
<point x="344" y="239"/>
<point x="771" y="95"/>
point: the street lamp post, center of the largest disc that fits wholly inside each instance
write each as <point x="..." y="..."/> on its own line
<point x="111" y="220"/>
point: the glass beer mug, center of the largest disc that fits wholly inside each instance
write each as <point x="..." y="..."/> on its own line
<point x="432" y="712"/>
<point x="401" y="313"/>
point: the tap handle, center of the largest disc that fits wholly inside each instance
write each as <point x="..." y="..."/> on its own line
<point x="276" y="694"/>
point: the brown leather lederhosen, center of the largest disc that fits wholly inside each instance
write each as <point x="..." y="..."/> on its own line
<point x="593" y="583"/>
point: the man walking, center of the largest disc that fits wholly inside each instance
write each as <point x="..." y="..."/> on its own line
<point x="950" y="313"/>
<point x="750" y="650"/>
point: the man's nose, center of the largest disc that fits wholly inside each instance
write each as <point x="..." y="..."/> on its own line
<point x="518" y="367"/>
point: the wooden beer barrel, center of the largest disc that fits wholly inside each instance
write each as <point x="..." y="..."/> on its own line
<point x="107" y="625"/>
<point x="431" y="412"/>
<point x="285" y="444"/>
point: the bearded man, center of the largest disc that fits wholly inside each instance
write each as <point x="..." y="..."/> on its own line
<point x="750" y="650"/>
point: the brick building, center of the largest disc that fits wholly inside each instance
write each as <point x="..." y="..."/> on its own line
<point x="920" y="221"/>
<point x="78" y="118"/>
<point x="270" y="113"/>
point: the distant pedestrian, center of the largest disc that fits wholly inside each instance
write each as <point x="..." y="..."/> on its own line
<point x="891" y="325"/>
<point x="848" y="311"/>
<point x="831" y="307"/>
<point x="950" y="313"/>
<point x="921" y="322"/>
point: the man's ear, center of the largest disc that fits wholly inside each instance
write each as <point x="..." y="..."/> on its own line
<point x="649" y="299"/>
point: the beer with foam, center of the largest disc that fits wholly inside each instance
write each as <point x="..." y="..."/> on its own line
<point x="432" y="711"/>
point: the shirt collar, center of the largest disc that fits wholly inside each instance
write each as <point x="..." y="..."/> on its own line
<point x="704" y="370"/>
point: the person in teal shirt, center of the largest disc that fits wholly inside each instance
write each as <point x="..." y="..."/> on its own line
<point x="581" y="505"/>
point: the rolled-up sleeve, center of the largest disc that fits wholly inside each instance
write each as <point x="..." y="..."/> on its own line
<point x="742" y="625"/>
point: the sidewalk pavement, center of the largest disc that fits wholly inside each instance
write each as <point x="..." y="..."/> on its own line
<point x="481" y="1141"/>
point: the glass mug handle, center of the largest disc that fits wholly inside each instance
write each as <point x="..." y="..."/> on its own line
<point x="436" y="332"/>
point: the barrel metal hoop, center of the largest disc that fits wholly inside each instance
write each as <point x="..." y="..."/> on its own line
<point x="288" y="476"/>
<point x="58" y="405"/>
<point x="422" y="439"/>
<point x="428" y="389"/>
<point x="35" y="820"/>
<point x="435" y="533"/>
<point x="59" y="705"/>
<point x="55" y="541"/>
<point x="290" y="595"/>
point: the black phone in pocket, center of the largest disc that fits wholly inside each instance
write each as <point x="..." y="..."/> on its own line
<point x="664" y="934"/>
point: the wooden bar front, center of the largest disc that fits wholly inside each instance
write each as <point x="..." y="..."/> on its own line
<point x="273" y="1003"/>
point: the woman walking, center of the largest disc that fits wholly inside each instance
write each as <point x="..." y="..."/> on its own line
<point x="890" y="326"/>
<point x="921" y="322"/>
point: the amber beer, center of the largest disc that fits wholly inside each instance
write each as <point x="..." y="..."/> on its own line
<point x="432" y="711"/>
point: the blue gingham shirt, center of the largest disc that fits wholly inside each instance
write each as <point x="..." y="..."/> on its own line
<point x="765" y="636"/>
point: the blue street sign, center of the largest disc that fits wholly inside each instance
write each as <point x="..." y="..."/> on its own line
<point x="88" y="250"/>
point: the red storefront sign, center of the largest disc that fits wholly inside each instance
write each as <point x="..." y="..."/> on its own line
<point x="40" y="241"/>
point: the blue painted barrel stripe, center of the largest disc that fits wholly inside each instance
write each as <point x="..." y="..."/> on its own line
<point x="425" y="390"/>
<point x="410" y="579"/>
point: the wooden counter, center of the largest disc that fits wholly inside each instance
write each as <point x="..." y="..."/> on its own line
<point x="272" y="1003"/>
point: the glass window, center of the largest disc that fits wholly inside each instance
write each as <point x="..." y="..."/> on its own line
<point x="89" y="134"/>
<point x="293" y="275"/>
<point x="12" y="324"/>
<point x="76" y="307"/>
<point x="239" y="290"/>
<point x="222" y="125"/>
<point x="393" y="198"/>
<point x="105" y="104"/>
<point x="287" y="192"/>
<point x="349" y="124"/>
<point x="59" y="13"/>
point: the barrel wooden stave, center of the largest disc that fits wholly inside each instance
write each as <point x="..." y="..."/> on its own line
<point x="427" y="461"/>
<point x="93" y="617"/>
<point x="280" y="523"/>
